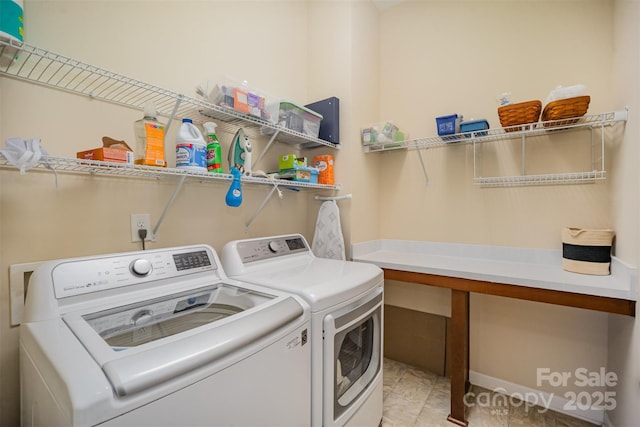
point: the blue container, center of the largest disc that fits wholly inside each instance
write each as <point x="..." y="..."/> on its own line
<point x="448" y="125"/>
<point x="474" y="126"/>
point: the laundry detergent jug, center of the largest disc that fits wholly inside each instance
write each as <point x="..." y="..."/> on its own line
<point x="191" y="148"/>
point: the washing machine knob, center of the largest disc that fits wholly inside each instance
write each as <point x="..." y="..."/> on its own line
<point x="274" y="246"/>
<point x="141" y="267"/>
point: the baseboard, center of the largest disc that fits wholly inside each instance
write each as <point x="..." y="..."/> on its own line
<point x="552" y="401"/>
<point x="607" y="422"/>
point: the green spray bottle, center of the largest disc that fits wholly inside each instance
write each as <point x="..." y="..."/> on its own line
<point x="214" y="152"/>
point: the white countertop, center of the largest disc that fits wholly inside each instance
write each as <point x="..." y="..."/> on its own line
<point x="535" y="268"/>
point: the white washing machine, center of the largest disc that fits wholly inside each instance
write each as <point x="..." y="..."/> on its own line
<point x="161" y="337"/>
<point x="346" y="301"/>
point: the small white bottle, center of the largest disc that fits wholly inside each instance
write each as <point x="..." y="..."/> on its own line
<point x="191" y="148"/>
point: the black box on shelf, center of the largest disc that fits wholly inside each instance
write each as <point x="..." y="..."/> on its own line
<point x="330" y="124"/>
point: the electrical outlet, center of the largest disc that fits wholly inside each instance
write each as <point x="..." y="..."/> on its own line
<point x="19" y="275"/>
<point x="141" y="221"/>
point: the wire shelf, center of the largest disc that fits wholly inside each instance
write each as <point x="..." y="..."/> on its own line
<point x="544" y="179"/>
<point x="519" y="134"/>
<point x="30" y="63"/>
<point x="549" y="127"/>
<point x="125" y="170"/>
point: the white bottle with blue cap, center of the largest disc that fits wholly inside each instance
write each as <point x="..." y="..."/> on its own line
<point x="191" y="148"/>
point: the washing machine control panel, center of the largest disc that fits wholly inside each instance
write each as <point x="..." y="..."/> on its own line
<point x="272" y="247"/>
<point x="85" y="275"/>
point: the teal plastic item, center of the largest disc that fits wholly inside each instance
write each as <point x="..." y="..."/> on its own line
<point x="237" y="150"/>
<point x="474" y="126"/>
<point x="234" y="195"/>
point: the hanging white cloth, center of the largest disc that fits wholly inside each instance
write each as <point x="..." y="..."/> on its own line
<point x="327" y="239"/>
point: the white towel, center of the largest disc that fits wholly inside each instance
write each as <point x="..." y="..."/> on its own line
<point x="327" y="240"/>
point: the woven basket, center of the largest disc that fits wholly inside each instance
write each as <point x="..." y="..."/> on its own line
<point x="521" y="113"/>
<point x="570" y="108"/>
<point x="587" y="251"/>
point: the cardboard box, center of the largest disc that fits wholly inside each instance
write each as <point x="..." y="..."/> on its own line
<point x="303" y="174"/>
<point x="111" y="151"/>
<point x="291" y="161"/>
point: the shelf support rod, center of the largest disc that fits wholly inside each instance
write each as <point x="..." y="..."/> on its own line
<point x="271" y="141"/>
<point x="475" y="170"/>
<point x="593" y="151"/>
<point x="262" y="205"/>
<point x="602" y="146"/>
<point x="424" y="168"/>
<point x="524" y="139"/>
<point x="173" y="114"/>
<point x="166" y="208"/>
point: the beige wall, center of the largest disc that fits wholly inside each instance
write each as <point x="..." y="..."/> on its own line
<point x="440" y="58"/>
<point x="623" y="333"/>
<point x="346" y="34"/>
<point x="409" y="64"/>
<point x="175" y="45"/>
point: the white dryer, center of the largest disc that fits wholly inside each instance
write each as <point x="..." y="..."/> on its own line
<point x="346" y="301"/>
<point x="161" y="337"/>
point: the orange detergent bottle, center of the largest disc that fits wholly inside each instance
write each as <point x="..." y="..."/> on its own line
<point x="149" y="134"/>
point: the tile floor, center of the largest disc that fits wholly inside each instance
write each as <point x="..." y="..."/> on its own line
<point x="415" y="398"/>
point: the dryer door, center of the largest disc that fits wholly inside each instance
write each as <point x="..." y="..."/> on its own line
<point x="352" y="357"/>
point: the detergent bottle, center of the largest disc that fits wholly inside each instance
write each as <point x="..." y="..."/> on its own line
<point x="149" y="133"/>
<point x="214" y="152"/>
<point x="191" y="148"/>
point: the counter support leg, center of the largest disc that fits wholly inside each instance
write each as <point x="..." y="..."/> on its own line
<point x="459" y="356"/>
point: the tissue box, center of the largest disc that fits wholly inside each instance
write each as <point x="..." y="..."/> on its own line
<point x="291" y="161"/>
<point x="111" y="151"/>
<point x="303" y="174"/>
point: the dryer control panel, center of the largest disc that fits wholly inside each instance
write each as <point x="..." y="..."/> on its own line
<point x="271" y="247"/>
<point x="85" y="275"/>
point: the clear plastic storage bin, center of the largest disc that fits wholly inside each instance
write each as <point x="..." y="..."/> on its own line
<point x="295" y="117"/>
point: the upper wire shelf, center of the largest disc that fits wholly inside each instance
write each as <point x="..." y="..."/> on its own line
<point x="512" y="132"/>
<point x="40" y="66"/>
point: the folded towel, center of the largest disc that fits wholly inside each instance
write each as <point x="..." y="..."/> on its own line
<point x="327" y="239"/>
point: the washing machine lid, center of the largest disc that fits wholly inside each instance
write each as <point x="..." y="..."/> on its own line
<point x="146" y="343"/>
<point x="323" y="283"/>
<point x="140" y="323"/>
<point x="286" y="262"/>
